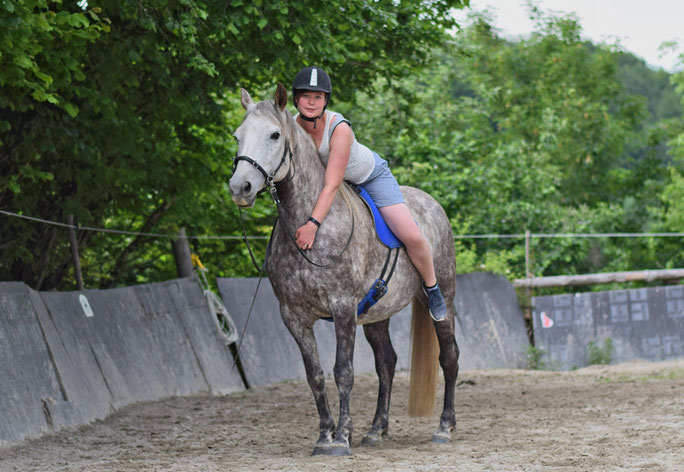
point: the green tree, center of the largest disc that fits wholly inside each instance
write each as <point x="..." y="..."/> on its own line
<point x="653" y="85"/>
<point x="42" y="48"/>
<point x="669" y="216"/>
<point x="538" y="134"/>
<point x="121" y="115"/>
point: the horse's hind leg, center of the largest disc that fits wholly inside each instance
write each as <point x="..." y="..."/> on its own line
<point x="448" y="359"/>
<point x="378" y="337"/>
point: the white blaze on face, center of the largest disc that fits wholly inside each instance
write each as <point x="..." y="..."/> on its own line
<point x="255" y="140"/>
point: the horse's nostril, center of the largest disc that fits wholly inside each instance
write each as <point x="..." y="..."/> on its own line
<point x="246" y="188"/>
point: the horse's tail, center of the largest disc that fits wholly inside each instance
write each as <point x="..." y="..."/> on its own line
<point x="424" y="362"/>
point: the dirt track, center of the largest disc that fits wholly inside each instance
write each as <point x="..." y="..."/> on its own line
<point x="625" y="417"/>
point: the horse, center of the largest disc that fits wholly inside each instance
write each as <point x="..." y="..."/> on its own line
<point x="329" y="280"/>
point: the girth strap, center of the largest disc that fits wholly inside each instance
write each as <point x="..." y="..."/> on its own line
<point x="379" y="287"/>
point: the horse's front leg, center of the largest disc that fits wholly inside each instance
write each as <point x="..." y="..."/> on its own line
<point x="304" y="336"/>
<point x="345" y="332"/>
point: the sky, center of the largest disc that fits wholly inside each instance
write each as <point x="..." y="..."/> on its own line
<point x="638" y="26"/>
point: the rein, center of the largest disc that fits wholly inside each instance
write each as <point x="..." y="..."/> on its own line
<point x="274" y="195"/>
<point x="270" y="184"/>
<point x="294" y="241"/>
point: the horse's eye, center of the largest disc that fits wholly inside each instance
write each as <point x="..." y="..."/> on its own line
<point x="275" y="135"/>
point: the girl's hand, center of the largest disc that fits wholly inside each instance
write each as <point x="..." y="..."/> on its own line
<point x="305" y="235"/>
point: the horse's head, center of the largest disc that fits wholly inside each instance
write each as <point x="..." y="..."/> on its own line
<point x="264" y="155"/>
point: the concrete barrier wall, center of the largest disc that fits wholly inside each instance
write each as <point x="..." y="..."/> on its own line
<point x="67" y="358"/>
<point x="643" y="323"/>
<point x="268" y="352"/>
<point x="27" y="374"/>
<point x="490" y="330"/>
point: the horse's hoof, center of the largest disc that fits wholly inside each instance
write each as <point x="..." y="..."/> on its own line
<point x="332" y="450"/>
<point x="441" y="437"/>
<point x="371" y="440"/>
<point x="339" y="447"/>
<point x="340" y="451"/>
<point x="320" y="451"/>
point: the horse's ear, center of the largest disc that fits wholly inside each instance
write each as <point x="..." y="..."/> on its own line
<point x="281" y="96"/>
<point x="247" y="102"/>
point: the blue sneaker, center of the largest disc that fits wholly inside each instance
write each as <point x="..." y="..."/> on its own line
<point x="436" y="304"/>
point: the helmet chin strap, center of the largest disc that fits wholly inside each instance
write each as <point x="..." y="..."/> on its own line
<point x="315" y="118"/>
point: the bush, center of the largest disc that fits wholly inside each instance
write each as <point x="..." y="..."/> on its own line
<point x="533" y="357"/>
<point x="600" y="355"/>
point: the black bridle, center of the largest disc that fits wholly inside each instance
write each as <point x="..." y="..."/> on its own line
<point x="274" y="195"/>
<point x="269" y="177"/>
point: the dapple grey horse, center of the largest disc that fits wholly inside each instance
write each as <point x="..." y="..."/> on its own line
<point x="330" y="279"/>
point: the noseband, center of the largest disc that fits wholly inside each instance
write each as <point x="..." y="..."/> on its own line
<point x="269" y="177"/>
<point x="274" y="195"/>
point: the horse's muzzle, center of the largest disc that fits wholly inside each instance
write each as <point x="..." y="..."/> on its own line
<point x="242" y="191"/>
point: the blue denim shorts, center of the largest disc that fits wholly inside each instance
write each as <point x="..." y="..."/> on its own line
<point x="382" y="186"/>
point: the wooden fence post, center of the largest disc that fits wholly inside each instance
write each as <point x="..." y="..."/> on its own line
<point x="74" y="253"/>
<point x="181" y="253"/>
<point x="527" y="310"/>
<point x="527" y="254"/>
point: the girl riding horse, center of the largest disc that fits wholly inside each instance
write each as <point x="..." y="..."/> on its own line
<point x="347" y="159"/>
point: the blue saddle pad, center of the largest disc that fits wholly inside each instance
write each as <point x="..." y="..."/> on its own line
<point x="385" y="234"/>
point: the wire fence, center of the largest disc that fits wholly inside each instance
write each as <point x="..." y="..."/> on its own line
<point x="118" y="231"/>
<point x="180" y="245"/>
<point x="240" y="237"/>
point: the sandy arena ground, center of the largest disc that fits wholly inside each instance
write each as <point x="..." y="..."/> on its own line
<point x="605" y="418"/>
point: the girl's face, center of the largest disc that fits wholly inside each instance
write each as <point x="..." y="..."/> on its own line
<point x="311" y="103"/>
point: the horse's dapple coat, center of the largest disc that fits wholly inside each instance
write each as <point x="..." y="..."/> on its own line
<point x="307" y="292"/>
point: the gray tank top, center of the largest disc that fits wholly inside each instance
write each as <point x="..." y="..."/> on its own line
<point x="361" y="159"/>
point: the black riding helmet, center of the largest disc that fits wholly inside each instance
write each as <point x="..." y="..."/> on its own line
<point x="315" y="79"/>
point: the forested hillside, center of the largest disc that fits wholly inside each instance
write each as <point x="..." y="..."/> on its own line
<point x="121" y="114"/>
<point x="549" y="134"/>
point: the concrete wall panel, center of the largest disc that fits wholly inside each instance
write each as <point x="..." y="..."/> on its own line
<point x="645" y="323"/>
<point x="68" y="358"/>
<point x="27" y="376"/>
<point x="201" y="328"/>
<point x="269" y="353"/>
<point x="490" y="329"/>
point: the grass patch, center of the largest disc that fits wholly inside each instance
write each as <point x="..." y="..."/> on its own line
<point x="534" y="358"/>
<point x="600" y="355"/>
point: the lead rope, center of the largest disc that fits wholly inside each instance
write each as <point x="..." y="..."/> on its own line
<point x="274" y="195"/>
<point x="224" y="322"/>
<point x="294" y="241"/>
<point x="251" y="254"/>
<point x="249" y="248"/>
<point x="261" y="276"/>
